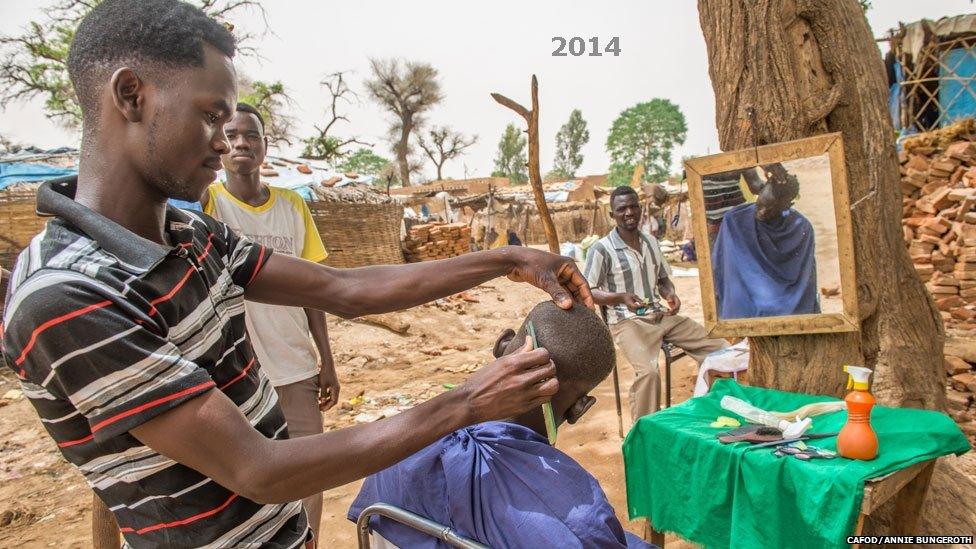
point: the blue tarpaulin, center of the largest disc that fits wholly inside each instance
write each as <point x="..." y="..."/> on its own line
<point x="894" y="96"/>
<point x="958" y="70"/>
<point x="19" y="172"/>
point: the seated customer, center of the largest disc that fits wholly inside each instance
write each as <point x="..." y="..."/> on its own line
<point x="501" y="483"/>
<point x="763" y="260"/>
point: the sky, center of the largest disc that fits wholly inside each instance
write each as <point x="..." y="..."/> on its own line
<point x="479" y="48"/>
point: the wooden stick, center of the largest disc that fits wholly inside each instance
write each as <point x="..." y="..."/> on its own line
<point x="105" y="531"/>
<point x="389" y="321"/>
<point x="535" y="174"/>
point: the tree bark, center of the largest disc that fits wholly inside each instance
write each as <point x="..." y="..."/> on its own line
<point x="788" y="69"/>
<point x="406" y="126"/>
<point x="535" y="173"/>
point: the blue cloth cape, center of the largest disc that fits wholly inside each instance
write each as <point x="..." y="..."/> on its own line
<point x="498" y="483"/>
<point x="764" y="268"/>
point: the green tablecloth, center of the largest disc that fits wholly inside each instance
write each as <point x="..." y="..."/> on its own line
<point x="717" y="495"/>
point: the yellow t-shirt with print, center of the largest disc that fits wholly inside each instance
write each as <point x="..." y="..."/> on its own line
<point x="279" y="335"/>
<point x="284" y="215"/>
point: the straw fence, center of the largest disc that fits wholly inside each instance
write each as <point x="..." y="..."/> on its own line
<point x="356" y="235"/>
<point x="18" y="223"/>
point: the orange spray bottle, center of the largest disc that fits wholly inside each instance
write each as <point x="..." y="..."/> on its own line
<point x="857" y="439"/>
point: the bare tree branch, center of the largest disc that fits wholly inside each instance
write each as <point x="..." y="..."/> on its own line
<point x="325" y="146"/>
<point x="442" y="144"/>
<point x="504" y="101"/>
<point x="34" y="63"/>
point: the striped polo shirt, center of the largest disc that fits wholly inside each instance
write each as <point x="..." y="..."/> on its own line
<point x="613" y="266"/>
<point x="106" y="330"/>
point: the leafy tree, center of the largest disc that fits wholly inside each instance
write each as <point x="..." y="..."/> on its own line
<point x="570" y="139"/>
<point x="511" y="159"/>
<point x="364" y="161"/>
<point x="271" y="100"/>
<point x="441" y="144"/>
<point x="35" y="63"/>
<point x="407" y="89"/>
<point x="324" y="145"/>
<point x="645" y="134"/>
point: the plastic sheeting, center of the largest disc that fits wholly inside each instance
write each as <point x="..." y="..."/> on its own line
<point x="12" y="173"/>
<point x="956" y="88"/>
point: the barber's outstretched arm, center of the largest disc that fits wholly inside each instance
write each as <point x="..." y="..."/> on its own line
<point x="209" y="433"/>
<point x="349" y="293"/>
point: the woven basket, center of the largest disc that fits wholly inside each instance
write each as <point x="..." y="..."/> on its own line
<point x="18" y="223"/>
<point x="573" y="223"/>
<point x="356" y="235"/>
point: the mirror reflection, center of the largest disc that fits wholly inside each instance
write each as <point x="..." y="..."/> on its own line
<point x="773" y="239"/>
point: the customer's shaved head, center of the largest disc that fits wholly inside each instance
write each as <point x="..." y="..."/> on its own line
<point x="578" y="342"/>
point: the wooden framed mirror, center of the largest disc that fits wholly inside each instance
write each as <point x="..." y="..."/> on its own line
<point x="773" y="236"/>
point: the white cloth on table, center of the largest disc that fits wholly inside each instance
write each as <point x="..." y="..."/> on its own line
<point x="731" y="360"/>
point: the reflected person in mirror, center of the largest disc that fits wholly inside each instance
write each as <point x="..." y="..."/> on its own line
<point x="763" y="259"/>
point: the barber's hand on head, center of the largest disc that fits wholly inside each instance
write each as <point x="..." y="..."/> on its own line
<point x="511" y="385"/>
<point x="633" y="302"/>
<point x="555" y="274"/>
<point x="328" y="387"/>
<point x="674" y="303"/>
<point x="775" y="173"/>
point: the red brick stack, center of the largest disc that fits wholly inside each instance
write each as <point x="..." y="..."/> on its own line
<point x="436" y="241"/>
<point x="939" y="195"/>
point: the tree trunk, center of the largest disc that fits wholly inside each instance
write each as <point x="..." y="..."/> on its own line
<point x="403" y="146"/>
<point x="788" y="69"/>
<point x="785" y="70"/>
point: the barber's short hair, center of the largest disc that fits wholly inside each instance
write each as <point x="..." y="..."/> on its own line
<point x="578" y="342"/>
<point x="622" y="190"/>
<point x="141" y="33"/>
<point x="244" y="107"/>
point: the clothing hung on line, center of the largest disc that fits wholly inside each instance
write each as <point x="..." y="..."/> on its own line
<point x="764" y="268"/>
<point x="498" y="483"/>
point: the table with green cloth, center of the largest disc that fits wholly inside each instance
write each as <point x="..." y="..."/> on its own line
<point x="681" y="478"/>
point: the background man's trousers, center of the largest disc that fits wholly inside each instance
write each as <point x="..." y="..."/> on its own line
<point x="300" y="403"/>
<point x="641" y="340"/>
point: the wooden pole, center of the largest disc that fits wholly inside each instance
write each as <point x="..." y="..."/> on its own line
<point x="535" y="174"/>
<point x="105" y="531"/>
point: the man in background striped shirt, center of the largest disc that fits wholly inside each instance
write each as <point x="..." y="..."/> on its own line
<point x="627" y="273"/>
<point x="124" y="318"/>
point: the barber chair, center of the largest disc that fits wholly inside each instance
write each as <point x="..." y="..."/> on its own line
<point x="414" y="521"/>
<point x="671" y="354"/>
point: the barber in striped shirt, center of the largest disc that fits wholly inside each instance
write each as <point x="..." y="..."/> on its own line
<point x="623" y="269"/>
<point x="124" y="319"/>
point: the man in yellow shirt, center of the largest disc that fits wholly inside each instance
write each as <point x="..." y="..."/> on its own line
<point x="279" y="219"/>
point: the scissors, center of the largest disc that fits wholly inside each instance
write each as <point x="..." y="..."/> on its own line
<point x="547" y="406"/>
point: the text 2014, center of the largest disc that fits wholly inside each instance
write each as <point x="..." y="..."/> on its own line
<point x="578" y="47"/>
